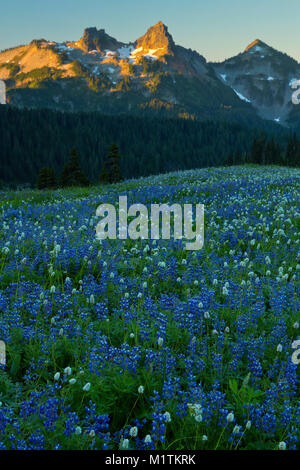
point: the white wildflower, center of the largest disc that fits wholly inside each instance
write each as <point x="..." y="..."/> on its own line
<point x="86" y="387"/>
<point x="133" y="431"/>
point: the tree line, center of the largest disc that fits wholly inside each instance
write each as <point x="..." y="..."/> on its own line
<point x="73" y="175"/>
<point x="35" y="139"/>
<point x="264" y="151"/>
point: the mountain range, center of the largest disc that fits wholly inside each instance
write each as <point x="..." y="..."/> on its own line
<point x="152" y="75"/>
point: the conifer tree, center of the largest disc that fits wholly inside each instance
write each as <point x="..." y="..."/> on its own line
<point x="257" y="154"/>
<point x="104" y="174"/>
<point x="237" y="158"/>
<point x="111" y="171"/>
<point x="72" y="174"/>
<point x="46" y="179"/>
<point x="292" y="153"/>
<point x="297" y="163"/>
<point x="229" y="160"/>
<point x="271" y="153"/>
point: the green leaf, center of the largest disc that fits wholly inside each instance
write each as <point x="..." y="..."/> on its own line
<point x="233" y="385"/>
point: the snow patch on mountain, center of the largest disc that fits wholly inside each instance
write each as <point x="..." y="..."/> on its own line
<point x="62" y="47"/>
<point x="241" y="96"/>
<point x="110" y="54"/>
<point x="125" y="52"/>
<point x="150" y="54"/>
<point x="254" y="49"/>
<point x="136" y="51"/>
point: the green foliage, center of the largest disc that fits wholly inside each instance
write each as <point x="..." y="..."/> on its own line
<point x="130" y="68"/>
<point x="158" y="105"/>
<point x="13" y="68"/>
<point x="269" y="152"/>
<point x="79" y="69"/>
<point x="41" y="74"/>
<point x="95" y="82"/>
<point x="292" y="155"/>
<point x="72" y="174"/>
<point x="46" y="179"/>
<point x="198" y="375"/>
<point x="124" y="85"/>
<point x="149" y="66"/>
<point x="245" y="394"/>
<point x="98" y="83"/>
<point x="149" y="146"/>
<point x="154" y="82"/>
<point x="111" y="171"/>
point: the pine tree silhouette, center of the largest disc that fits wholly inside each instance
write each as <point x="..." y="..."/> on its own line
<point x="111" y="171"/>
<point x="72" y="174"/>
<point x="258" y="150"/>
<point x="46" y="179"/>
<point x="229" y="160"/>
<point x="292" y="151"/>
<point x="271" y="153"/>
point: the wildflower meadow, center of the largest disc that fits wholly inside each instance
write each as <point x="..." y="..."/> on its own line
<point x="142" y="344"/>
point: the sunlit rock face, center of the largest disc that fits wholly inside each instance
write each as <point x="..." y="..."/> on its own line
<point x="2" y="92"/>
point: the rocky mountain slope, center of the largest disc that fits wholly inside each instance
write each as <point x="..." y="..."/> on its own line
<point x="263" y="77"/>
<point x="150" y="75"/>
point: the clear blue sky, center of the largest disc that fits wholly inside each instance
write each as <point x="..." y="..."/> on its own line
<point x="216" y="28"/>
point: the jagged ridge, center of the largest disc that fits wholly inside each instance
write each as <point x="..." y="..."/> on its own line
<point x="98" y="72"/>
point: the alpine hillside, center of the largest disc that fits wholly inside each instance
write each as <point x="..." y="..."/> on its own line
<point x="263" y="77"/>
<point x="151" y="75"/>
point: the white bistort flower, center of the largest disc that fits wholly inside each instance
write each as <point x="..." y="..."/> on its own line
<point x="124" y="444"/>
<point x="133" y="431"/>
<point x="68" y="371"/>
<point x="282" y="445"/>
<point x="236" y="429"/>
<point x="86" y="387"/>
<point x="230" y="418"/>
